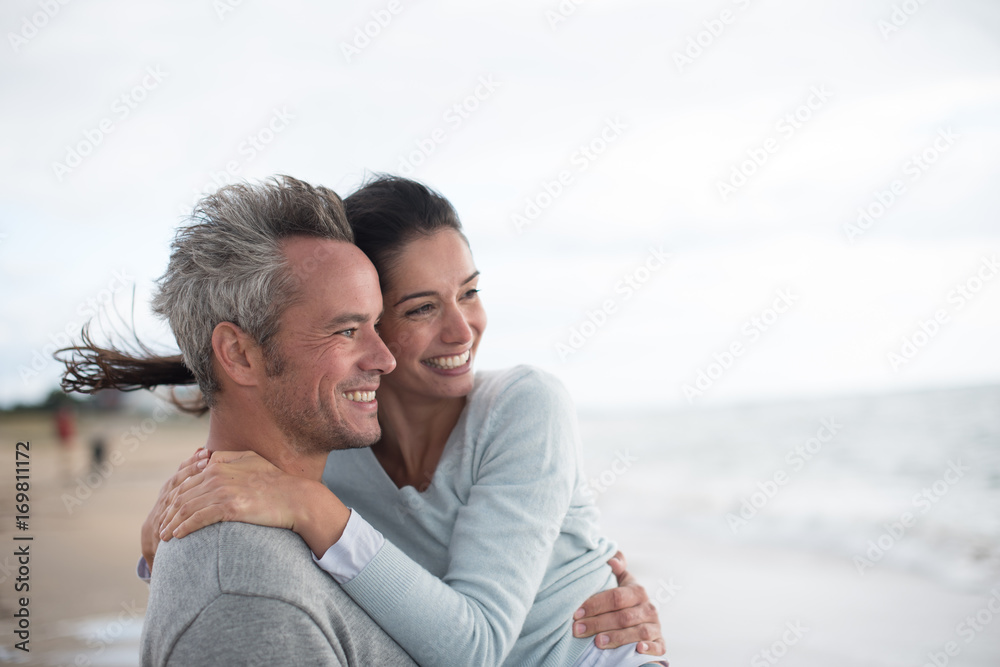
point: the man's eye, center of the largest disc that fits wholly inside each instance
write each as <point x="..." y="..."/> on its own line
<point x="347" y="333"/>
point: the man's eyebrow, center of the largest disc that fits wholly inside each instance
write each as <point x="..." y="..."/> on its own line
<point x="417" y="295"/>
<point x="347" y="318"/>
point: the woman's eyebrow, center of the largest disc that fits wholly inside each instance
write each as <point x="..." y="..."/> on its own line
<point x="417" y="295"/>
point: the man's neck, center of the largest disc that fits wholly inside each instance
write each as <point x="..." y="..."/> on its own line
<point x="233" y="429"/>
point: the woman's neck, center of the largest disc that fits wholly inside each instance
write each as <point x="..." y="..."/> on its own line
<point x="415" y="431"/>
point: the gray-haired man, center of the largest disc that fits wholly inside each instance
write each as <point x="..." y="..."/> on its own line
<point x="274" y="310"/>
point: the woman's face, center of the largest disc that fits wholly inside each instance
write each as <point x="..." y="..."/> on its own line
<point x="433" y="318"/>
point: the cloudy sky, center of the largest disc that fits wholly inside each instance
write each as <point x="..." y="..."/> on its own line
<point x="672" y="203"/>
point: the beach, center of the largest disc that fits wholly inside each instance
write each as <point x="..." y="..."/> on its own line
<point x="772" y="592"/>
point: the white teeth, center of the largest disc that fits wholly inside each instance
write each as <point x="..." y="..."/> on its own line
<point x="359" y="396"/>
<point x="449" y="362"/>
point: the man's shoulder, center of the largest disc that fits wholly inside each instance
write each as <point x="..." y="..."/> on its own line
<point x="230" y="566"/>
<point x="240" y="558"/>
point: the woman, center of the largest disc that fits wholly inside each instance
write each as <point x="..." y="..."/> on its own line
<point x="484" y="523"/>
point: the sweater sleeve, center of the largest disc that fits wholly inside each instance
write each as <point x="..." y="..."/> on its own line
<point x="502" y="540"/>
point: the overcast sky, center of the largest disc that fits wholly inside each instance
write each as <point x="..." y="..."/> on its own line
<point x="672" y="203"/>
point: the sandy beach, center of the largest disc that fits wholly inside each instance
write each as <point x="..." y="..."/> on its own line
<point x="721" y="603"/>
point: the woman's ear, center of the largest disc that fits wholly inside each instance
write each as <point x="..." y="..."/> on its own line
<point x="237" y="354"/>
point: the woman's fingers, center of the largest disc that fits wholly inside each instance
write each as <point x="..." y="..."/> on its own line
<point x="184" y="506"/>
<point x="620" y="627"/>
<point x="193" y="494"/>
<point x="205" y="516"/>
<point x="233" y="486"/>
<point x="655" y="647"/>
<point x="200" y="476"/>
<point x="618" y="567"/>
<point x="611" y="600"/>
<point x="646" y="634"/>
<point x="620" y="616"/>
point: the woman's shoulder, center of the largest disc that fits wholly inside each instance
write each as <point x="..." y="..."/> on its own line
<point x="519" y="381"/>
<point x="524" y="394"/>
<point x="522" y="414"/>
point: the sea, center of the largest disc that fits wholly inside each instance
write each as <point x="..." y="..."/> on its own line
<point x="908" y="481"/>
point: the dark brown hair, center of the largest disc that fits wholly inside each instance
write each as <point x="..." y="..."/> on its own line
<point x="388" y="212"/>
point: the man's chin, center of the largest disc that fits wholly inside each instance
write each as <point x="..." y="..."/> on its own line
<point x="359" y="439"/>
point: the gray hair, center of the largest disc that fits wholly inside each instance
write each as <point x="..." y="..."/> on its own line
<point x="227" y="265"/>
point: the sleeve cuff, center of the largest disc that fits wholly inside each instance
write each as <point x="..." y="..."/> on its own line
<point x="142" y="570"/>
<point x="353" y="551"/>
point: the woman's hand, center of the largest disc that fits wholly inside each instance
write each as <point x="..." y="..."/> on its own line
<point x="244" y="486"/>
<point x="621" y="615"/>
<point x="150" y="537"/>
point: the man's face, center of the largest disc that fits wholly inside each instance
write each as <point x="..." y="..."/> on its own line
<point x="330" y="358"/>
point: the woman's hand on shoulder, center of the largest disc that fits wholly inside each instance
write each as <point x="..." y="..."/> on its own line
<point x="234" y="486"/>
<point x="244" y="486"/>
<point x="621" y="615"/>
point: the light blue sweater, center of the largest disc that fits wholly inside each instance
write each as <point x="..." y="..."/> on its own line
<point x="486" y="566"/>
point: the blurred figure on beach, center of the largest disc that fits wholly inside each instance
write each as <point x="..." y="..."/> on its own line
<point x="65" y="423"/>
<point x="98" y="444"/>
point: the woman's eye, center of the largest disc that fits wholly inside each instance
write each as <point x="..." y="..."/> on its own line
<point x="426" y="308"/>
<point x="471" y="293"/>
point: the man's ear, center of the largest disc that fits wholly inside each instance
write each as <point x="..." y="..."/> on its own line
<point x="237" y="354"/>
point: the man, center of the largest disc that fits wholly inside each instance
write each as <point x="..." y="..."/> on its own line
<point x="274" y="310"/>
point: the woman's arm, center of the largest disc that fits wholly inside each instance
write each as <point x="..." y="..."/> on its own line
<point x="519" y="470"/>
